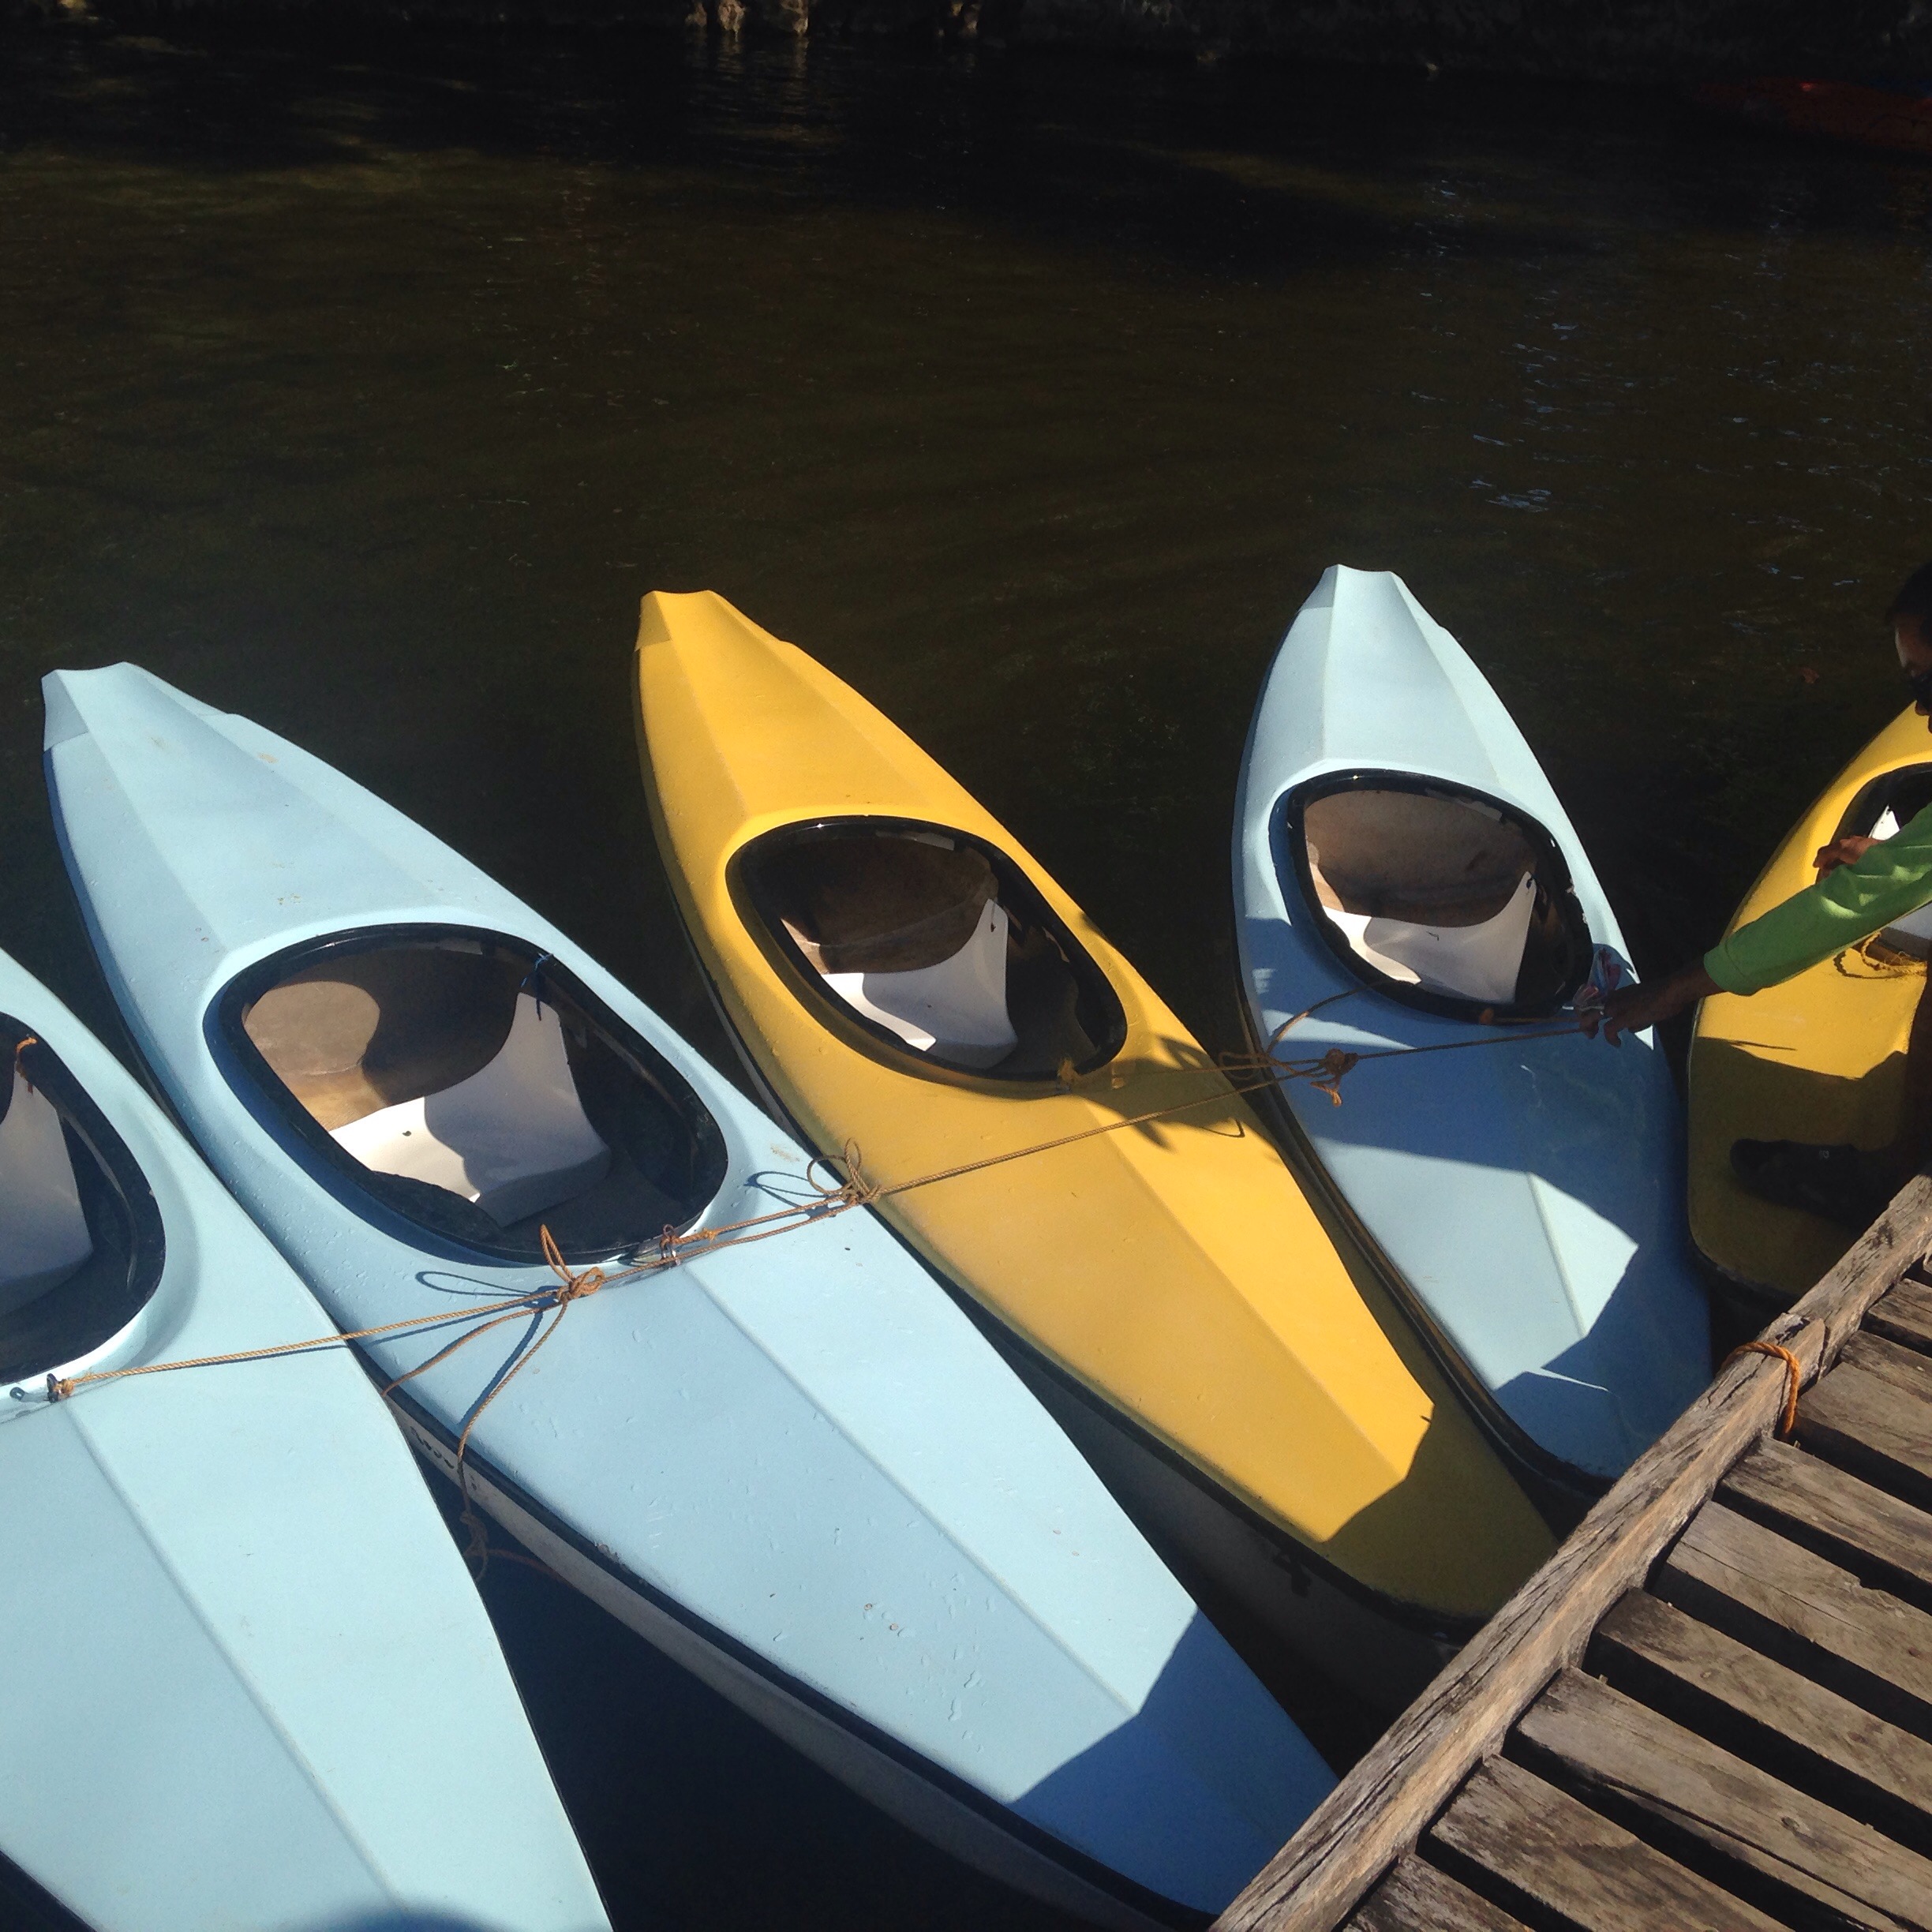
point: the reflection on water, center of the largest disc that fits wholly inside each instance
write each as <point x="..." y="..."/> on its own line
<point x="363" y="390"/>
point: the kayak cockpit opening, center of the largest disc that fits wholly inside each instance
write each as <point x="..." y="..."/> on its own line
<point x="936" y="945"/>
<point x="1887" y="805"/>
<point x="81" y="1238"/>
<point x="1438" y="896"/>
<point x="475" y="1088"/>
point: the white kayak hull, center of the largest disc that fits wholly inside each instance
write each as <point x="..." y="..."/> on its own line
<point x="794" y="1465"/>
<point x="1526" y="1196"/>
<point x="249" y="1684"/>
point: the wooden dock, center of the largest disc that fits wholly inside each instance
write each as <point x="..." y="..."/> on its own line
<point x="1711" y="1709"/>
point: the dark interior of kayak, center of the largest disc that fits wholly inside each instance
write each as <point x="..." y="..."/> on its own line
<point x="936" y="947"/>
<point x="1438" y="896"/>
<point x="475" y="1087"/>
<point x="81" y="1238"/>
<point x="1888" y="804"/>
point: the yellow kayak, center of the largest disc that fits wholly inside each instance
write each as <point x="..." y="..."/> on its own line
<point x="1820" y="1058"/>
<point x="901" y="975"/>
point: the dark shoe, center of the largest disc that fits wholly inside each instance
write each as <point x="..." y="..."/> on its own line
<point x="1839" y="1184"/>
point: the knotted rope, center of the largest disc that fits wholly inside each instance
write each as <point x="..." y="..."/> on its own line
<point x="552" y="1297"/>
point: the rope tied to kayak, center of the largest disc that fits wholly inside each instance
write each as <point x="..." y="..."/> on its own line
<point x="1235" y="1075"/>
<point x="1326" y="1071"/>
<point x="570" y="1287"/>
<point x="19" y="1059"/>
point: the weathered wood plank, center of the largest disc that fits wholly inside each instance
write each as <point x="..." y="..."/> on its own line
<point x="1805" y="1612"/>
<point x="1416" y="1897"/>
<point x="1910" y="1370"/>
<point x="1568" y="1860"/>
<point x="1838" y="1514"/>
<point x="1379" y="1809"/>
<point x="1904" y="1315"/>
<point x="1866" y="1417"/>
<point x="1717" y="1813"/>
<point x="1757" y="1706"/>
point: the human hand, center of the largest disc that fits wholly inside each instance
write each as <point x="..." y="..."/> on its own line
<point x="1631" y="1009"/>
<point x="1843" y="851"/>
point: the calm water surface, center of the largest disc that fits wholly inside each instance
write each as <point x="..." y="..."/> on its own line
<point x="363" y="390"/>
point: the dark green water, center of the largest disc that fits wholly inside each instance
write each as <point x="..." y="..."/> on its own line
<point x="363" y="390"/>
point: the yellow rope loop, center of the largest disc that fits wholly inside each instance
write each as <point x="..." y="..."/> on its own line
<point x="20" y="1053"/>
<point x="1881" y="961"/>
<point x="1794" y="1377"/>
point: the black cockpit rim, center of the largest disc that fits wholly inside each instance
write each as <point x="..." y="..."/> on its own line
<point x="1906" y="789"/>
<point x="263" y="1091"/>
<point x="1551" y="872"/>
<point x="123" y="1218"/>
<point x="1102" y="1016"/>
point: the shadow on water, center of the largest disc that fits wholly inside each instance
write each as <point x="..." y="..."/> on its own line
<point x="362" y="387"/>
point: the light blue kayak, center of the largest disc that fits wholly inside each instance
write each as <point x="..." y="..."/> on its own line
<point x="1396" y="842"/>
<point x="793" y="1464"/>
<point x="249" y="1682"/>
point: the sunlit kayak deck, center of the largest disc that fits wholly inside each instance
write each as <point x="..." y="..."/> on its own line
<point x="1712" y="1706"/>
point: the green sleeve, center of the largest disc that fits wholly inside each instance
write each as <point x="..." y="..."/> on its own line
<point x="1893" y="878"/>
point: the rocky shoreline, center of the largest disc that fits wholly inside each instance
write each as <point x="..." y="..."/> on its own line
<point x="1650" y="41"/>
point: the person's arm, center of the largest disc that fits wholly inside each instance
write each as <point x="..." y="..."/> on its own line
<point x="1867" y="884"/>
<point x="1631" y="1008"/>
<point x="1890" y="878"/>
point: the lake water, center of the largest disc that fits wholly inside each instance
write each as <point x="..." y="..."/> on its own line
<point x="363" y="388"/>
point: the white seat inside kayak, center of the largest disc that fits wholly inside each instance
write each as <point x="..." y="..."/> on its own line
<point x="43" y="1230"/>
<point x="1913" y="934"/>
<point x="1478" y="962"/>
<point x="958" y="1006"/>
<point x="513" y="1137"/>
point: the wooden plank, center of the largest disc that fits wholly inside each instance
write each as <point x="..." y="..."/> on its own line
<point x="1906" y="1367"/>
<point x="1378" y="1811"/>
<point x="1416" y="1897"/>
<point x="1815" y="1503"/>
<point x="1565" y="1860"/>
<point x="1904" y="1315"/>
<point x="1763" y="1710"/>
<point x="1805" y="1612"/>
<point x="1868" y="1419"/>
<point x="1719" y="1813"/>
